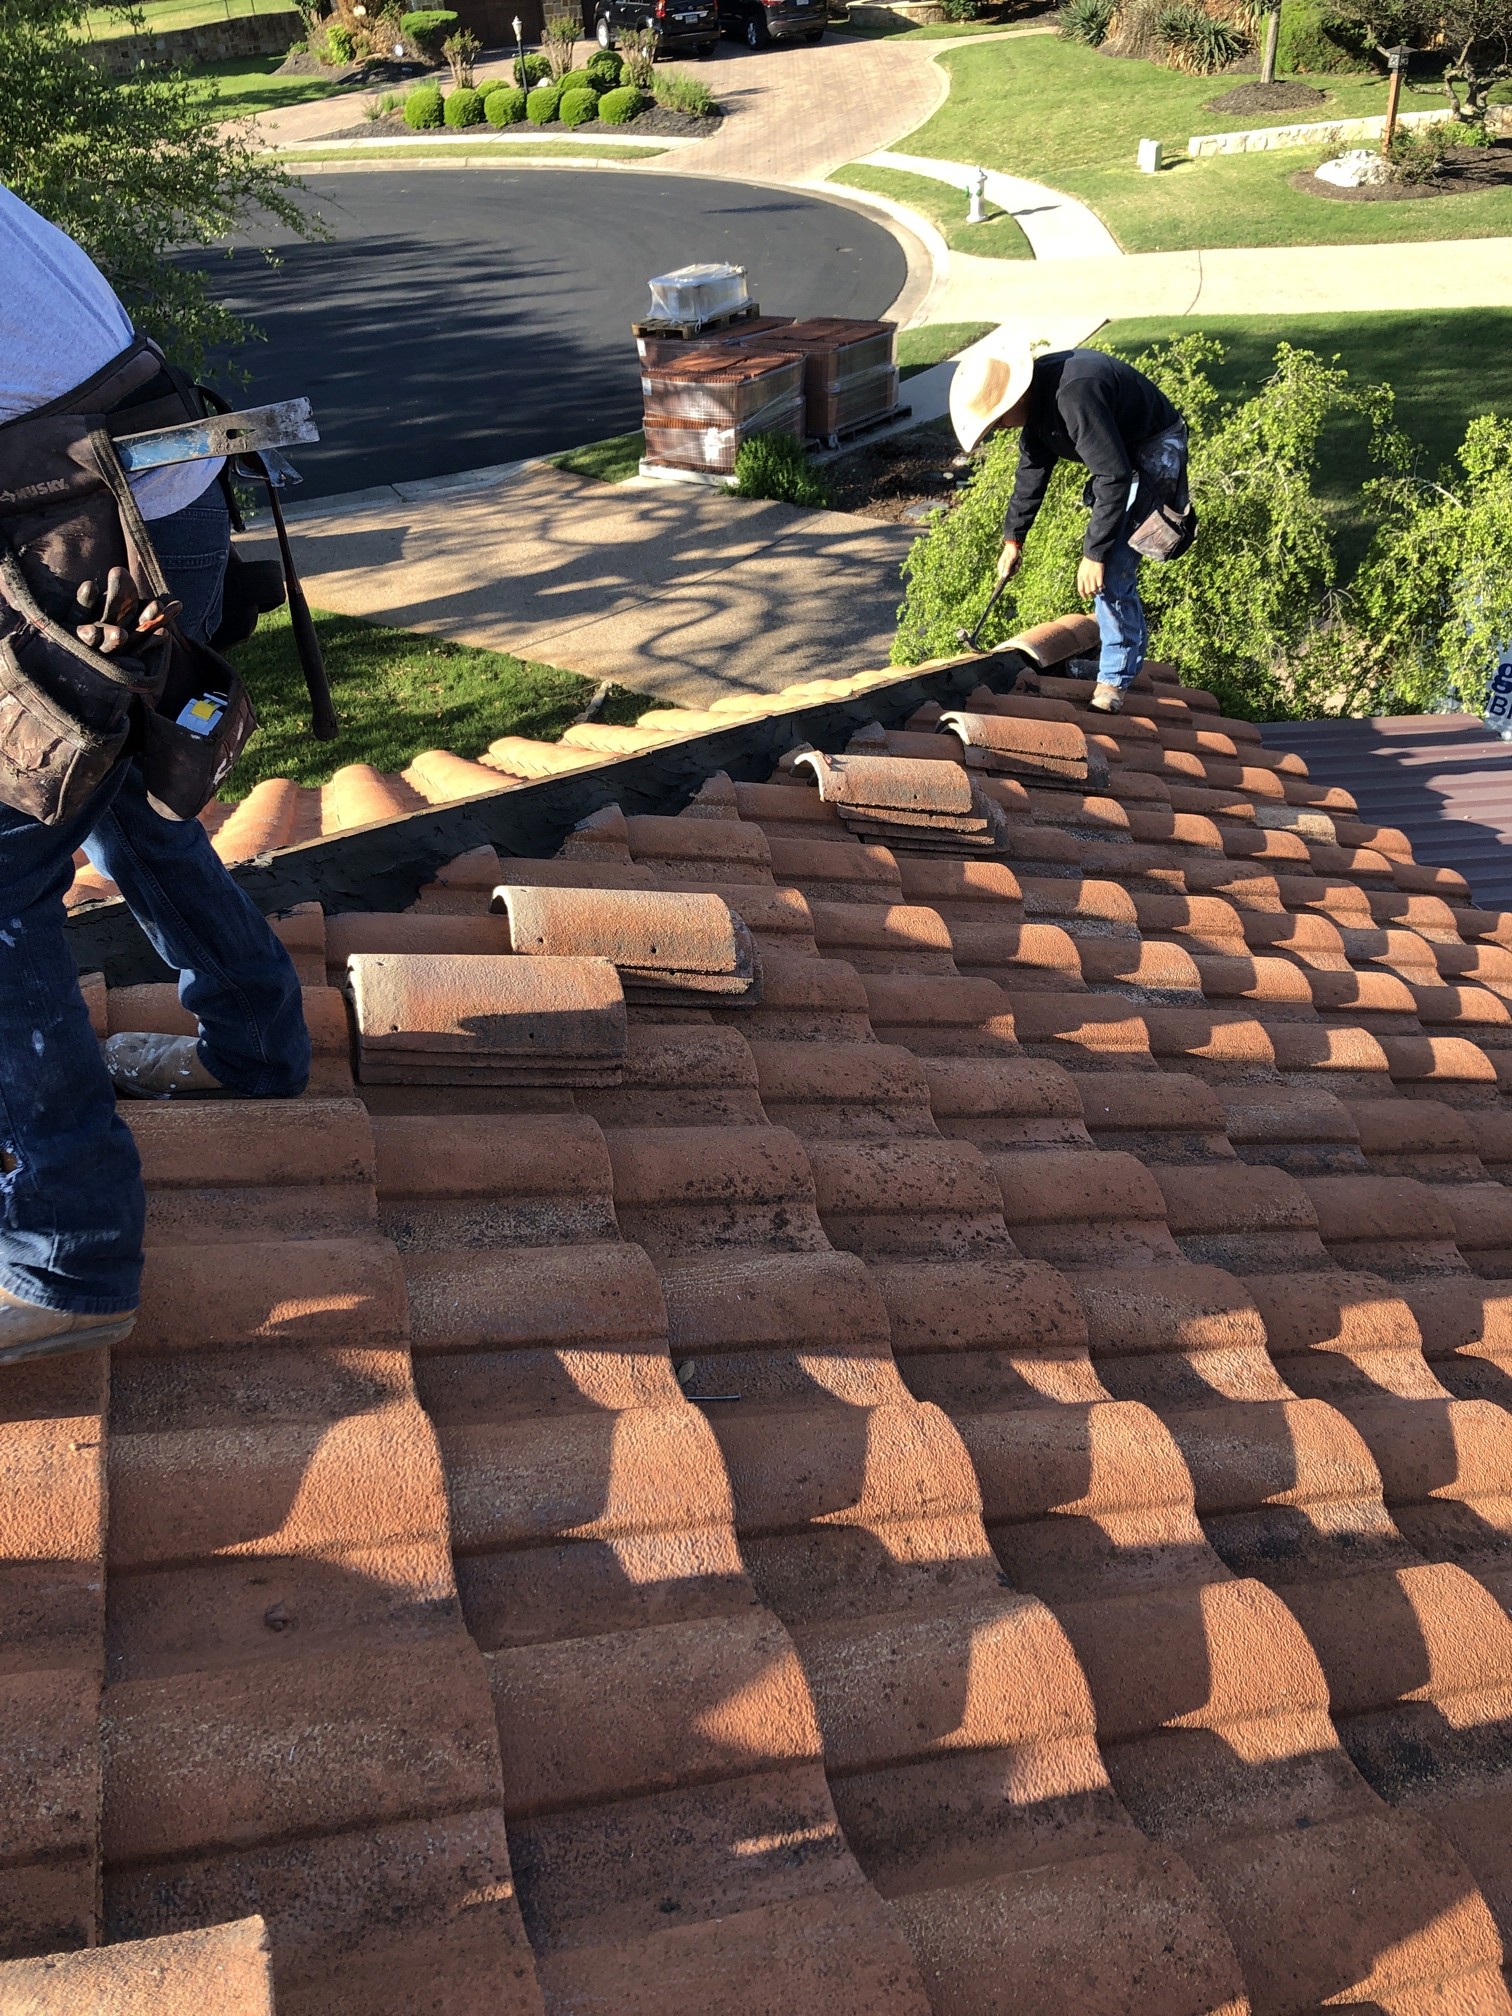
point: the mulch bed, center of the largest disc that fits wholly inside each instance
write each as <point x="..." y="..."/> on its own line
<point x="1464" y="169"/>
<point x="1278" y="97"/>
<point x="887" y="479"/>
<point x="647" y="125"/>
<point x="381" y="72"/>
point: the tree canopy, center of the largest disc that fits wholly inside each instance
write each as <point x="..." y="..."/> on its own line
<point x="134" y="169"/>
<point x="1469" y="41"/>
<point x="1257" y="611"/>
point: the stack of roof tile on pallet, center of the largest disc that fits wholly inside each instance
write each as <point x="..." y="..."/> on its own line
<point x="701" y="408"/>
<point x="977" y="1482"/>
<point x="662" y="344"/>
<point x="850" y="377"/>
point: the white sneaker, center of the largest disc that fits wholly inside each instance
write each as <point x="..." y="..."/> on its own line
<point x="145" y="1065"/>
<point x="1106" y="698"/>
<point x="27" y="1330"/>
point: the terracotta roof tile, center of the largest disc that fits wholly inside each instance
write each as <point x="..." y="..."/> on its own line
<point x="909" y="1499"/>
<point x="223" y="1971"/>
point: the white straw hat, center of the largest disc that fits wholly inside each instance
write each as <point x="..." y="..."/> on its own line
<point x="989" y="381"/>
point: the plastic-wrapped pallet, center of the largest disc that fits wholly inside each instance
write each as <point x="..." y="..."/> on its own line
<point x="700" y="408"/>
<point x="850" y="374"/>
<point x="699" y="294"/>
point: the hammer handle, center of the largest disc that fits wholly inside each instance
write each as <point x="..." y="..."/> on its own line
<point x="322" y="708"/>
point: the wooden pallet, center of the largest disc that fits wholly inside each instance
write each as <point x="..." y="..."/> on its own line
<point x="843" y="436"/>
<point x="688" y="330"/>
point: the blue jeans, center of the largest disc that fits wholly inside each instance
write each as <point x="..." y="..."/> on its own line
<point x="1120" y="619"/>
<point x="71" y="1202"/>
<point x="1118" y="609"/>
<point x="192" y="547"/>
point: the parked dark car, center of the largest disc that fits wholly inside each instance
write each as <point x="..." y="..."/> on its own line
<point x="678" y="27"/>
<point x="759" y="22"/>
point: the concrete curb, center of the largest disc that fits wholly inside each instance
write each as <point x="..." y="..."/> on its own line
<point x="473" y="137"/>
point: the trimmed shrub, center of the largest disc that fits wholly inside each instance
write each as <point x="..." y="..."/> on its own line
<point x="606" y="69"/>
<point x="426" y="28"/>
<point x="776" y="466"/>
<point x="340" y="45"/>
<point x="422" y="108"/>
<point x="582" y="80"/>
<point x="542" y="104"/>
<point x="637" y="48"/>
<point x="681" y="93"/>
<point x="1417" y="153"/>
<point x="559" y="40"/>
<point x="531" y="69"/>
<point x="618" y="108"/>
<point x="464" y="107"/>
<point x="461" y="52"/>
<point x="1314" y="39"/>
<point x="578" y="107"/>
<point x="1193" y="41"/>
<point x="1084" y="21"/>
<point x="504" y="106"/>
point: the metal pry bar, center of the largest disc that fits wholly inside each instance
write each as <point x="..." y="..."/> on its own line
<point x="219" y="434"/>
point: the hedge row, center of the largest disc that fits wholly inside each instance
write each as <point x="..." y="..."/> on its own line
<point x="594" y="92"/>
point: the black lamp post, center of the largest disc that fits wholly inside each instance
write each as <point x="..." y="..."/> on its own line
<point x="519" y="53"/>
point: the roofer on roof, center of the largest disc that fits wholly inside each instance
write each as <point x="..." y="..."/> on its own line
<point x="71" y="1199"/>
<point x="1085" y="406"/>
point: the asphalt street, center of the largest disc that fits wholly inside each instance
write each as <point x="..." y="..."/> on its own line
<point x="457" y="319"/>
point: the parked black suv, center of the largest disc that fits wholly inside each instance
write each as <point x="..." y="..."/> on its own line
<point x="679" y="27"/>
<point x="758" y="22"/>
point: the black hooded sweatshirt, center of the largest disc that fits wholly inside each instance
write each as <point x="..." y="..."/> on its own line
<point x="1087" y="407"/>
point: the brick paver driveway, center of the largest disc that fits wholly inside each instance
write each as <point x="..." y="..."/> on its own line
<point x="796" y="112"/>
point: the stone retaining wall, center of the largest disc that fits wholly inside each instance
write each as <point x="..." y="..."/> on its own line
<point x="1260" y="139"/>
<point x="266" y="34"/>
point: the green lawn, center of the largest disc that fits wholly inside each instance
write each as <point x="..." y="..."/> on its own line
<point x="613" y="461"/>
<point x="945" y="207"/>
<point x="398" y="693"/>
<point x="1446" y="367"/>
<point x="249" y="84"/>
<point x="1067" y="115"/>
<point x="934" y="342"/>
<point x="161" y="15"/>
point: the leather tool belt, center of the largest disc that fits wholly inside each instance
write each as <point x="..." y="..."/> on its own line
<point x="69" y="712"/>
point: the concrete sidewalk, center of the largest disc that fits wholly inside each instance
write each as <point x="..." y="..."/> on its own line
<point x="683" y="593"/>
<point x="1057" y="226"/>
<point x="1281" y="280"/>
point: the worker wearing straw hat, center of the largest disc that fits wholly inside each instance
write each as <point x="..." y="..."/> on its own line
<point x="1079" y="406"/>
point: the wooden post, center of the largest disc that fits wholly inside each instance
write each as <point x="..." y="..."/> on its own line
<point x="1272" y="37"/>
<point x="1393" y="99"/>
<point x="1397" y="58"/>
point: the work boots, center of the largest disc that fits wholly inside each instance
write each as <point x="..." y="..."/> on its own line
<point x="144" y="1065"/>
<point x="1106" y="698"/>
<point x="27" y="1330"/>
